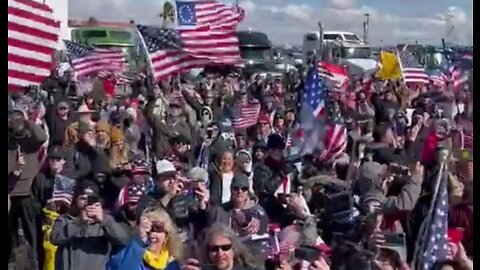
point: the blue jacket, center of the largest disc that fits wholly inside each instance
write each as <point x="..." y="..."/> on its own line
<point x="131" y="258"/>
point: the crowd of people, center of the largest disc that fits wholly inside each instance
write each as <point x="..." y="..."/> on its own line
<point x="167" y="178"/>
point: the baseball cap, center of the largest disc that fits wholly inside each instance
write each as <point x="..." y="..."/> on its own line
<point x="240" y="181"/>
<point x="164" y="167"/>
<point x="62" y="104"/>
<point x="56" y="152"/>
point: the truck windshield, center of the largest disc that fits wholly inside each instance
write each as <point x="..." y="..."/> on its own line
<point x="255" y="54"/>
<point x="356" y="52"/>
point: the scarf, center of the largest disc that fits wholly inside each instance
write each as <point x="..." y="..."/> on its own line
<point x="156" y="261"/>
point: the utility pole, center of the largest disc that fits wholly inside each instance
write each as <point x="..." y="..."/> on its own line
<point x="366" y="25"/>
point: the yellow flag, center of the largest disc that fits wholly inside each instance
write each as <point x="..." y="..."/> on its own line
<point x="390" y="67"/>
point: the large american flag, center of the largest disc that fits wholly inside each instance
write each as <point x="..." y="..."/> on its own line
<point x="432" y="243"/>
<point x="412" y="72"/>
<point x="87" y="60"/>
<point x="313" y="97"/>
<point x="247" y="116"/>
<point x="32" y="37"/>
<point x="205" y="35"/>
<point x="336" y="76"/>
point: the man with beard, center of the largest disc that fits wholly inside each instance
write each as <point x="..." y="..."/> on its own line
<point x="244" y="215"/>
<point x="179" y="152"/>
<point x="174" y="124"/>
<point x="125" y="216"/>
<point x="58" y="119"/>
<point x="167" y="193"/>
<point x="271" y="180"/>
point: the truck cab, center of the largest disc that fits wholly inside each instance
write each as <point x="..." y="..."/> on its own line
<point x="340" y="47"/>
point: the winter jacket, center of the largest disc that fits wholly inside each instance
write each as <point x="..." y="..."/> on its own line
<point x="30" y="146"/>
<point x="83" y="161"/>
<point x="84" y="246"/>
<point x="131" y="258"/>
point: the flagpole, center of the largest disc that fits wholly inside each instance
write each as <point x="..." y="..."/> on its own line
<point x="144" y="46"/>
<point x="442" y="156"/>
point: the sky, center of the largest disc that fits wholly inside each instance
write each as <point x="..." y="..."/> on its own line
<point x="285" y="21"/>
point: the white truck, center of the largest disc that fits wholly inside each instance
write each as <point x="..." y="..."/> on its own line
<point x="340" y="47"/>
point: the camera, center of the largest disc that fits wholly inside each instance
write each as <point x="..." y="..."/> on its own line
<point x="93" y="199"/>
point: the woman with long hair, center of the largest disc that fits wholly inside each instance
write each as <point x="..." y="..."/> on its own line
<point x="118" y="150"/>
<point x="158" y="246"/>
<point x="222" y="249"/>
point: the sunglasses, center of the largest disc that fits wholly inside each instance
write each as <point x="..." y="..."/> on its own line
<point x="157" y="227"/>
<point x="244" y="189"/>
<point x="63" y="108"/>
<point x="220" y="247"/>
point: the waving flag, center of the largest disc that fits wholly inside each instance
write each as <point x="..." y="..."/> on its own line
<point x="248" y="116"/>
<point x="32" y="37"/>
<point x="412" y="72"/>
<point x="335" y="76"/>
<point x="207" y="30"/>
<point x="205" y="34"/>
<point x="389" y="67"/>
<point x="438" y="78"/>
<point x="432" y="242"/>
<point x="309" y="136"/>
<point x="335" y="142"/>
<point x="120" y="78"/>
<point x="87" y="60"/>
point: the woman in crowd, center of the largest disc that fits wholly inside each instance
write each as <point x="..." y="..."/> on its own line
<point x="221" y="175"/>
<point x="118" y="151"/>
<point x="222" y="249"/>
<point x="157" y="247"/>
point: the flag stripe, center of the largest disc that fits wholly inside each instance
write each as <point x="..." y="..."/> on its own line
<point x="336" y="77"/>
<point x="248" y="116"/>
<point x="32" y="37"/>
<point x="88" y="60"/>
<point x="411" y="70"/>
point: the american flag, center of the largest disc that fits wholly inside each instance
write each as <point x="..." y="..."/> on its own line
<point x="205" y="35"/>
<point x="63" y="188"/>
<point x="335" y="142"/>
<point x="207" y="30"/>
<point x="247" y="117"/>
<point x="314" y="89"/>
<point x="432" y="243"/>
<point x="335" y="76"/>
<point x="413" y="73"/>
<point x="438" y="78"/>
<point x="308" y="137"/>
<point x="87" y="60"/>
<point x="32" y="37"/>
<point x="120" y="78"/>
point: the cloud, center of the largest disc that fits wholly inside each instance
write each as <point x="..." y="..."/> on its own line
<point x="342" y="4"/>
<point x="286" y="22"/>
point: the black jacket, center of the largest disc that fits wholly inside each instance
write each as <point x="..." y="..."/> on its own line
<point x="84" y="162"/>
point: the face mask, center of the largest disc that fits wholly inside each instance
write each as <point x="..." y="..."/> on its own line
<point x="247" y="167"/>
